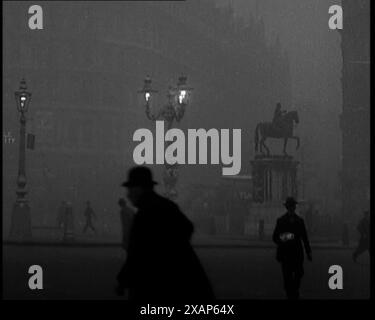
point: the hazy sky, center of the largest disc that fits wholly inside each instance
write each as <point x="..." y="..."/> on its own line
<point x="314" y="49"/>
<point x="316" y="62"/>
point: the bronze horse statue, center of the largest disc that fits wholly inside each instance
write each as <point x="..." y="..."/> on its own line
<point x="284" y="131"/>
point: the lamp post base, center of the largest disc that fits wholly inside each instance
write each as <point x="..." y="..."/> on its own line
<point x="21" y="222"/>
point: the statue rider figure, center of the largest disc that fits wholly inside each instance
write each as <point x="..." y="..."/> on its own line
<point x="278" y="116"/>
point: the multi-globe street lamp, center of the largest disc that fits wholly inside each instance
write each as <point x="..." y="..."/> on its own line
<point x="178" y="98"/>
<point x="21" y="220"/>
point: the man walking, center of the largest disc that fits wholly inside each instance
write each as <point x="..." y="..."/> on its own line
<point x="89" y="215"/>
<point x="161" y="264"/>
<point x="290" y="235"/>
<point x="61" y="215"/>
<point x="364" y="231"/>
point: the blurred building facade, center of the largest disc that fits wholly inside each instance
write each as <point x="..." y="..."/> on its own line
<point x="84" y="69"/>
<point x="355" y="117"/>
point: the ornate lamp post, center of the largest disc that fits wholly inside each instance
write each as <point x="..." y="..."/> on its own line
<point x="174" y="109"/>
<point x="21" y="220"/>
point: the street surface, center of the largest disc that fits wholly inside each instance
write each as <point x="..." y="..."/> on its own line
<point x="236" y="272"/>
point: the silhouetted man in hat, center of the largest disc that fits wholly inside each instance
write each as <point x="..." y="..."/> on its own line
<point x="161" y="264"/>
<point x="364" y="231"/>
<point x="290" y="235"/>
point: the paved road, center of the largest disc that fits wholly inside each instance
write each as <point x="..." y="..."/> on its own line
<point x="237" y="273"/>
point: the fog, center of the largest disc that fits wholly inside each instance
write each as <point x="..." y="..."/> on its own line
<point x="85" y="68"/>
<point x="102" y="73"/>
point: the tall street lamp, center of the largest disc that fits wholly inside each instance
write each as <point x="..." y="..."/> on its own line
<point x="21" y="219"/>
<point x="177" y="99"/>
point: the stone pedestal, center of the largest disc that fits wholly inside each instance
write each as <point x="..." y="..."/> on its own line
<point x="274" y="178"/>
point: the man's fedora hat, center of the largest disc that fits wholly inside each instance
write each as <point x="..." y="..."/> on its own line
<point x="290" y="200"/>
<point x="139" y="177"/>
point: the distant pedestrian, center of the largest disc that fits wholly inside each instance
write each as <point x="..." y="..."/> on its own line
<point x="89" y="216"/>
<point x="126" y="215"/>
<point x="364" y="240"/>
<point x="61" y="215"/>
<point x="290" y="235"/>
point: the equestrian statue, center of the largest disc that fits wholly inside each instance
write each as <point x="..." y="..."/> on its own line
<point x="281" y="127"/>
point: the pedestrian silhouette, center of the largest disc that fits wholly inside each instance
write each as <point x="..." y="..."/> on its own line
<point x="61" y="215"/>
<point x="364" y="240"/>
<point x="126" y="215"/>
<point x="89" y="216"/>
<point x="161" y="264"/>
<point x="289" y="234"/>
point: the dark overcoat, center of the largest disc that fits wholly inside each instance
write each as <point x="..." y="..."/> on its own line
<point x="161" y="264"/>
<point x="291" y="251"/>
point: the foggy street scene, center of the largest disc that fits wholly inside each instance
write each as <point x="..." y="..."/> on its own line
<point x="216" y="149"/>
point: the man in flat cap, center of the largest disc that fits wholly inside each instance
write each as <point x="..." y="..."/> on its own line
<point x="161" y="264"/>
<point x="290" y="236"/>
